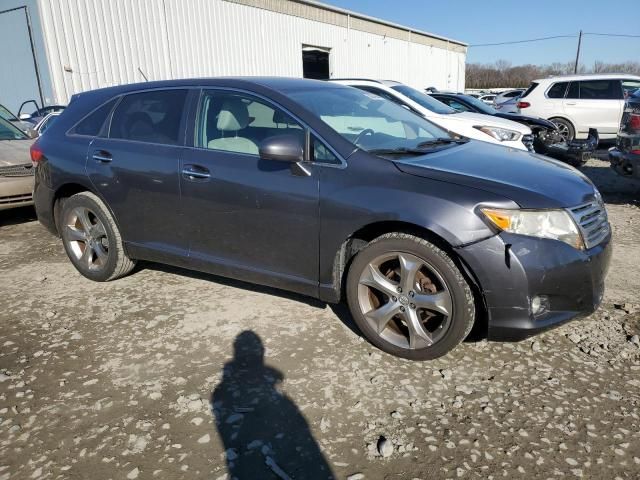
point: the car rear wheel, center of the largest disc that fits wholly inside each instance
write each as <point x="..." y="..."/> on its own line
<point x="565" y="129"/>
<point x="92" y="240"/>
<point x="408" y="297"/>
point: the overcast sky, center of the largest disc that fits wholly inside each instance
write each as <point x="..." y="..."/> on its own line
<point x="492" y="21"/>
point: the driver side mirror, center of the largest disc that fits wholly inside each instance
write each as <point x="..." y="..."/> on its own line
<point x="283" y="148"/>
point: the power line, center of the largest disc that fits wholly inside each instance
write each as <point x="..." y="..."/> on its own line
<point x="612" y="35"/>
<point x="552" y="38"/>
<point x="522" y="41"/>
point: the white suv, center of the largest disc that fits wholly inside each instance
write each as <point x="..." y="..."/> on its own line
<point x="486" y="128"/>
<point x="578" y="102"/>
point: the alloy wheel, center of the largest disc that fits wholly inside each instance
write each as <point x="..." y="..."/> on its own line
<point x="87" y="238"/>
<point x="405" y="300"/>
<point x="563" y="130"/>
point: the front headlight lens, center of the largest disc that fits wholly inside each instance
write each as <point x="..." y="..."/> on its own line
<point x="554" y="224"/>
<point x="500" y="134"/>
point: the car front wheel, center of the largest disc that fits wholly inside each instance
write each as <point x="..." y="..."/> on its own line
<point x="91" y="238"/>
<point x="408" y="297"/>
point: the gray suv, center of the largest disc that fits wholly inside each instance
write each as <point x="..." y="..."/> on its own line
<point x="330" y="192"/>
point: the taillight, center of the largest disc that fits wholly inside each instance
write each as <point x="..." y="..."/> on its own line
<point x="634" y="122"/>
<point x="36" y="154"/>
<point x="523" y="104"/>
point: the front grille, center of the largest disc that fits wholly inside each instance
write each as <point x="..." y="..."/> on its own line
<point x="528" y="142"/>
<point x="592" y="221"/>
<point x="11" y="199"/>
<point x="25" y="170"/>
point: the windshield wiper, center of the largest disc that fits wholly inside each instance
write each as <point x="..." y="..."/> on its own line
<point x="398" y="151"/>
<point x="441" y="141"/>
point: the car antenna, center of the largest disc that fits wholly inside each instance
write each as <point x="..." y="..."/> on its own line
<point x="143" y="75"/>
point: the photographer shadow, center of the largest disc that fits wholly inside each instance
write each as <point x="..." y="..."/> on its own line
<point x="264" y="434"/>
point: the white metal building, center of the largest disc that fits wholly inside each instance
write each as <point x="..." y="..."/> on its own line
<point x="59" y="47"/>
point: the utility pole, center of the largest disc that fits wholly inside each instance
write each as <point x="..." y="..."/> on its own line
<point x="575" y="67"/>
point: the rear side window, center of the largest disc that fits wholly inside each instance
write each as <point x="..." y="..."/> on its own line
<point x="152" y="117"/>
<point x="92" y="124"/>
<point x="557" y="90"/>
<point x="600" y="90"/>
<point x="574" y="90"/>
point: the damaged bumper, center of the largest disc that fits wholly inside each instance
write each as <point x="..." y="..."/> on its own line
<point x="626" y="164"/>
<point x="530" y="285"/>
<point x="575" y="152"/>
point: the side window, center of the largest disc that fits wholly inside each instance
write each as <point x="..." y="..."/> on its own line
<point x="574" y="90"/>
<point x="600" y="90"/>
<point x="92" y="124"/>
<point x="557" y="90"/>
<point x="461" y="107"/>
<point x="235" y="122"/>
<point x="152" y="117"/>
<point x="629" y="86"/>
<point x="321" y="154"/>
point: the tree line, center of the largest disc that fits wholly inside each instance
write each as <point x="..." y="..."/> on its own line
<point x="503" y="74"/>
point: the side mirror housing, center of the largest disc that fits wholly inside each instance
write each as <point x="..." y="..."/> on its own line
<point x="24" y="116"/>
<point x="283" y="148"/>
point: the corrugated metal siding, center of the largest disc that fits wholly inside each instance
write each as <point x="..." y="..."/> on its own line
<point x="97" y="43"/>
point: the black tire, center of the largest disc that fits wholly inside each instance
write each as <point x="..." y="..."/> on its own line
<point x="100" y="268"/>
<point x="463" y="311"/>
<point x="565" y="125"/>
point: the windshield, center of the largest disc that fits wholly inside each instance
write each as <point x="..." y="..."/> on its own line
<point x="370" y="122"/>
<point x="424" y="100"/>
<point x="9" y="132"/>
<point x="480" y="105"/>
<point x="6" y="114"/>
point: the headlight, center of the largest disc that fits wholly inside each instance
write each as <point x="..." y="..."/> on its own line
<point x="500" y="134"/>
<point x="554" y="224"/>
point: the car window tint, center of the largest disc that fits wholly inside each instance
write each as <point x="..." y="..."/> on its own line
<point x="321" y="153"/>
<point x="152" y="117"/>
<point x="461" y="107"/>
<point x="629" y="86"/>
<point x="238" y="123"/>
<point x="557" y="90"/>
<point x="600" y="90"/>
<point x="574" y="90"/>
<point x="92" y="124"/>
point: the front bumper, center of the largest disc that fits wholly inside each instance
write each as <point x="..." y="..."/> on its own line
<point x="512" y="269"/>
<point x="625" y="163"/>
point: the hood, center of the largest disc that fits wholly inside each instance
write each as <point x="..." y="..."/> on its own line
<point x="531" y="121"/>
<point x="15" y="152"/>
<point x="530" y="180"/>
<point x="481" y="119"/>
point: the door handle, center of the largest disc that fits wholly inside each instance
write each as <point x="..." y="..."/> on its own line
<point x="571" y="103"/>
<point x="195" y="172"/>
<point x="102" y="156"/>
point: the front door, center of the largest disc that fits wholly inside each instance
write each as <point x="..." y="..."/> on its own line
<point x="249" y="218"/>
<point x="136" y="169"/>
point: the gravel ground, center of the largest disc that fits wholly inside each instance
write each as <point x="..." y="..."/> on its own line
<point x="173" y="374"/>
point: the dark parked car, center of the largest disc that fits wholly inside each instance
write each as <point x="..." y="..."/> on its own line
<point x="467" y="103"/>
<point x="547" y="139"/>
<point x="328" y="191"/>
<point x="625" y="156"/>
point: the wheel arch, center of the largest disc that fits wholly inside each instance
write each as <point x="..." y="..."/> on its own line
<point x="361" y="237"/>
<point x="69" y="189"/>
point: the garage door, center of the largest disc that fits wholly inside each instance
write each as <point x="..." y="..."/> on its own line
<point x="18" y="78"/>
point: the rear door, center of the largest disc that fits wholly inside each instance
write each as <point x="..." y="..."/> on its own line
<point x="248" y="217"/>
<point x="594" y="104"/>
<point x="135" y="168"/>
